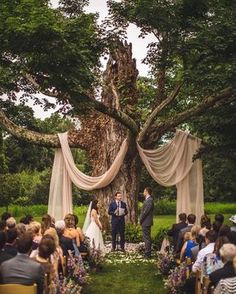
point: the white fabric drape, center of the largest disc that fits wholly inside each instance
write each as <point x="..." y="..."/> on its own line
<point x="172" y="164"/>
<point x="169" y="165"/>
<point x="64" y="171"/>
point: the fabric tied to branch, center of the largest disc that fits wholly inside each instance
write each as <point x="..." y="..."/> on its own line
<point x="172" y="164"/>
<point x="64" y="171"/>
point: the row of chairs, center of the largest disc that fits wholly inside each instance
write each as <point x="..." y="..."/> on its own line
<point x="202" y="284"/>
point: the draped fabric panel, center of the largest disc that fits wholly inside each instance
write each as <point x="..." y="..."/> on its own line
<point x="172" y="164"/>
<point x="169" y="165"/>
<point x="64" y="171"/>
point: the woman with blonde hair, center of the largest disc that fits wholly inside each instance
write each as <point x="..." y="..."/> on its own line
<point x="35" y="228"/>
<point x="190" y="242"/>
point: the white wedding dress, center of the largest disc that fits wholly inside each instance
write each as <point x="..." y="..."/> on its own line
<point x="94" y="233"/>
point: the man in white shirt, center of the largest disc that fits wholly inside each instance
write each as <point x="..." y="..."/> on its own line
<point x="210" y="239"/>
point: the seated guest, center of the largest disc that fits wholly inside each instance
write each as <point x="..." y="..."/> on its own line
<point x="21" y="229"/>
<point x="205" y="227"/>
<point x="27" y="219"/>
<point x="48" y="229"/>
<point x="70" y="231"/>
<point x="228" y="285"/>
<point x="10" y="246"/>
<point x="47" y="248"/>
<point x="210" y="239"/>
<point x="3" y="226"/>
<point x="35" y="229"/>
<point x="191" y="221"/>
<point x="227" y="253"/>
<point x="11" y="223"/>
<point x="21" y="269"/>
<point x="82" y="247"/>
<point x="65" y="243"/>
<point x="216" y="226"/>
<point x="224" y="231"/>
<point x="233" y="220"/>
<point x="212" y="261"/>
<point x="5" y="216"/>
<point x="3" y="254"/>
<point x="190" y="242"/>
<point x="219" y="218"/>
<point x="174" y="231"/>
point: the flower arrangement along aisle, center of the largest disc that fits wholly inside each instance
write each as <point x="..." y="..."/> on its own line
<point x="177" y="278"/>
<point x="165" y="262"/>
<point x="95" y="258"/>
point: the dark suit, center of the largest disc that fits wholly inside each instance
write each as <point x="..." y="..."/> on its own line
<point x="146" y="221"/>
<point x="22" y="270"/>
<point x="174" y="232"/>
<point x="227" y="271"/>
<point x="4" y="256"/>
<point x="117" y="223"/>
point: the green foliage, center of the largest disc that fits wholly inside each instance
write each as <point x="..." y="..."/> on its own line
<point x="20" y="211"/>
<point x="60" y="50"/>
<point x="133" y="233"/>
<point x="160" y="235"/>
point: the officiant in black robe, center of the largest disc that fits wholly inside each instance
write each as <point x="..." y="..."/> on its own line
<point x="118" y="210"/>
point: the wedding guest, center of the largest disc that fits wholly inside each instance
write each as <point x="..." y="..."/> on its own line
<point x="35" y="228"/>
<point x="219" y="218"/>
<point x="227" y="285"/>
<point x="47" y="248"/>
<point x="233" y="220"/>
<point x="118" y="210"/>
<point x="227" y="253"/>
<point x="70" y="231"/>
<point x="11" y="223"/>
<point x="21" y="269"/>
<point x="3" y="254"/>
<point x="3" y="226"/>
<point x="48" y="229"/>
<point x="190" y="239"/>
<point x="174" y="231"/>
<point x="5" y="216"/>
<point x="191" y="221"/>
<point x="205" y="223"/>
<point x="21" y="229"/>
<point x="210" y="239"/>
<point x="212" y="261"/>
<point x="82" y="247"/>
<point x="146" y="220"/>
<point x="65" y="243"/>
<point x="10" y="246"/>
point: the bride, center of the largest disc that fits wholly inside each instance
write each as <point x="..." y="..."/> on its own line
<point x="92" y="226"/>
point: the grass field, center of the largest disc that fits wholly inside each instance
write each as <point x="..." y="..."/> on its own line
<point x="126" y="279"/>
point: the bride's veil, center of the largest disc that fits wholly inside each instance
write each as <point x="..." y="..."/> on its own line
<point x="87" y="218"/>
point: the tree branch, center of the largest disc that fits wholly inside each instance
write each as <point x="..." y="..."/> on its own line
<point x="46" y="140"/>
<point x="157" y="110"/>
<point x="228" y="94"/>
<point x="118" y="115"/>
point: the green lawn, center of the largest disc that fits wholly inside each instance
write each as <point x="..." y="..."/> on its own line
<point x="125" y="279"/>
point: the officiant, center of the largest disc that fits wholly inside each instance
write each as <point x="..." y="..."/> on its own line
<point x="118" y="210"/>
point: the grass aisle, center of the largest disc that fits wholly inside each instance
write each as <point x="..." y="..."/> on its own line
<point x="125" y="278"/>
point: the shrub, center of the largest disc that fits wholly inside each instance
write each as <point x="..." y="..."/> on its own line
<point x="161" y="234"/>
<point x="133" y="233"/>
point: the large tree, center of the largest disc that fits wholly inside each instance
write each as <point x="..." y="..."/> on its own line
<point x="56" y="52"/>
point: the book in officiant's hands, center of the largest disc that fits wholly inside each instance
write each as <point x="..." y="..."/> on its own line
<point x="120" y="211"/>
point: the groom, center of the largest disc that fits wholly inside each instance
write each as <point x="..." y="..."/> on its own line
<point x="118" y="210"/>
<point x="146" y="220"/>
